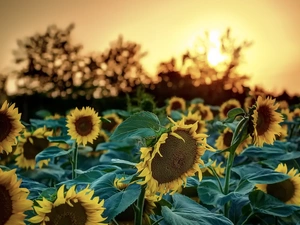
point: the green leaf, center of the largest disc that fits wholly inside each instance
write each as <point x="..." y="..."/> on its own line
<point x="187" y="212"/>
<point x="233" y="113"/>
<point x="257" y="175"/>
<point x="282" y="151"/>
<point x="43" y="113"/>
<point x="61" y="139"/>
<point x="83" y="179"/>
<point x="51" y="153"/>
<point x="50" y="172"/>
<point x="139" y="125"/>
<point x="267" y="204"/>
<point x="210" y="193"/>
<point x="120" y="201"/>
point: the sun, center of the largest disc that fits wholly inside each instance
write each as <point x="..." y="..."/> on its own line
<point x="214" y="54"/>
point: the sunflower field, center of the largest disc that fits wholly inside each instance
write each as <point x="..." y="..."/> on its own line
<point x="185" y="163"/>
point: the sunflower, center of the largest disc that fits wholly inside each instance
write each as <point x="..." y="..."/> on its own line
<point x="283" y="133"/>
<point x="283" y="104"/>
<point x="56" y="116"/>
<point x="227" y="106"/>
<point x="84" y="125"/>
<point x="287" y="191"/>
<point x="204" y="111"/>
<point x="13" y="199"/>
<point x="176" y="103"/>
<point x="287" y="114"/>
<point x="115" y="120"/>
<point x="175" y="156"/>
<point x="31" y="144"/>
<point x="10" y="127"/>
<point x="192" y="118"/>
<point x="296" y="113"/>
<point x="224" y="141"/>
<point x="217" y="167"/>
<point x="70" y="208"/>
<point x="102" y="138"/>
<point x="6" y="158"/>
<point x="265" y="121"/>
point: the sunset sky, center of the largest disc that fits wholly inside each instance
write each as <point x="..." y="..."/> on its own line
<point x="166" y="28"/>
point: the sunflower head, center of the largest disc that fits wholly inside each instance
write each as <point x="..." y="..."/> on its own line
<point x="102" y="138"/>
<point x="283" y="133"/>
<point x="204" y="111"/>
<point x="14" y="200"/>
<point x="175" y="156"/>
<point x="84" y="125"/>
<point x="287" y="115"/>
<point x="227" y="106"/>
<point x="30" y="144"/>
<point x="115" y="121"/>
<point x="224" y="141"/>
<point x="192" y="118"/>
<point x="10" y="127"/>
<point x="296" y="113"/>
<point x="283" y="104"/>
<point x="118" y="183"/>
<point x="287" y="191"/>
<point x="265" y="121"/>
<point x="176" y="103"/>
<point x="72" y="207"/>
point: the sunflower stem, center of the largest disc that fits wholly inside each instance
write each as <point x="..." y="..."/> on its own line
<point x="237" y="138"/>
<point x="140" y="207"/>
<point x="217" y="177"/>
<point x="74" y="160"/>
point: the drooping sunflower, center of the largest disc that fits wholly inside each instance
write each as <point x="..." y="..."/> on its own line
<point x="265" y="121"/>
<point x="7" y="157"/>
<point x="13" y="199"/>
<point x="220" y="171"/>
<point x="224" y="141"/>
<point x="115" y="121"/>
<point x="175" y="103"/>
<point x="204" y="111"/>
<point x="287" y="191"/>
<point x="102" y="138"/>
<point x="11" y="127"/>
<point x="84" y="125"/>
<point x="70" y="208"/>
<point x="227" y="106"/>
<point x="192" y="118"/>
<point x="30" y="144"/>
<point x="175" y="156"/>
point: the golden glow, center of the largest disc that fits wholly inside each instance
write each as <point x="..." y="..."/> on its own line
<point x="214" y="55"/>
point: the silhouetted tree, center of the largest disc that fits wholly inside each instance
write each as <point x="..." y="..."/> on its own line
<point x="118" y="69"/>
<point x="3" y="81"/>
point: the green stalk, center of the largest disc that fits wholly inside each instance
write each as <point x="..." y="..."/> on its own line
<point x="74" y="160"/>
<point x="245" y="221"/>
<point x="138" y="218"/>
<point x="237" y="134"/>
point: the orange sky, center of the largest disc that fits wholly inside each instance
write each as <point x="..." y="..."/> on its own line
<point x="168" y="27"/>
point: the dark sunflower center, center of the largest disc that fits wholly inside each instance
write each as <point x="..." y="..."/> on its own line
<point x="227" y="138"/>
<point x="283" y="191"/>
<point x="203" y="114"/>
<point x="263" y="120"/>
<point x="109" y="126"/>
<point x="6" y="126"/>
<point x="178" y="157"/>
<point x="67" y="215"/>
<point x="31" y="150"/>
<point x="190" y="121"/>
<point x="99" y="139"/>
<point x="84" y="125"/>
<point x="5" y="205"/>
<point x="228" y="108"/>
<point x="176" y="106"/>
